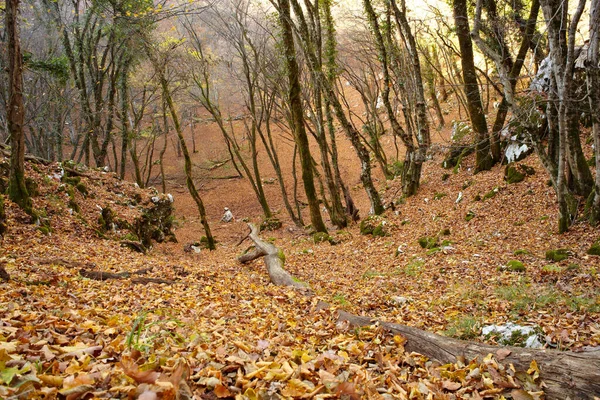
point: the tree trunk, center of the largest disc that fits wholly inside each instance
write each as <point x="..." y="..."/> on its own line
<point x="17" y="191"/>
<point x="296" y="109"/>
<point x="593" y="83"/>
<point x="188" y="161"/>
<point x="565" y="374"/>
<point x="483" y="160"/>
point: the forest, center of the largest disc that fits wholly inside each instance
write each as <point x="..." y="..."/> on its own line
<point x="267" y="199"/>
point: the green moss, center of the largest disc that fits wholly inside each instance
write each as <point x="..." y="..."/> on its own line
<point x="512" y="175"/>
<point x="270" y="224"/>
<point x="594" y="250"/>
<point x="46" y="230"/>
<point x="427" y="242"/>
<point x="71" y="180"/>
<point x="32" y="187"/>
<point x="281" y="256"/>
<point x="433" y="250"/>
<point x="491" y="193"/>
<point x="515" y="265"/>
<point x="465" y="328"/>
<point x="374" y="225"/>
<point x="573" y="267"/>
<point x="445" y="232"/>
<point x="557" y="255"/>
<point x="82" y="189"/>
<point x="551" y="269"/>
<point x="445" y="177"/>
<point x="413" y="268"/>
<point x="439" y="196"/>
<point x="470" y="215"/>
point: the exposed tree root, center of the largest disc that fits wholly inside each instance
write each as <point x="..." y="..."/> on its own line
<point x="273" y="261"/>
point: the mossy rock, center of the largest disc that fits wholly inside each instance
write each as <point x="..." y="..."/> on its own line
<point x="557" y="255"/>
<point x="71" y="180"/>
<point x="515" y="265"/>
<point x="512" y="175"/>
<point x="156" y="223"/>
<point x="427" y="242"/>
<point x="470" y="215"/>
<point x="270" y="224"/>
<point x="320" y="237"/>
<point x="517" y="173"/>
<point x="374" y="225"/>
<point x="106" y="220"/>
<point x="594" y="250"/>
<point x="82" y="189"/>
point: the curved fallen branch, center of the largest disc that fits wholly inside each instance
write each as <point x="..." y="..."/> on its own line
<point x="565" y="374"/>
<point x="273" y="260"/>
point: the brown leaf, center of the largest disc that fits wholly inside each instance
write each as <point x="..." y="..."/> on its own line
<point x="347" y="389"/>
<point x="451" y="386"/>
<point x="132" y="370"/>
<point x="502" y="353"/>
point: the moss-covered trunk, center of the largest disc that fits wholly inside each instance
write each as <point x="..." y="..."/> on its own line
<point x="17" y="191"/>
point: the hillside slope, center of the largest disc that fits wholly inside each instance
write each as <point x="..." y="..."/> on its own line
<point x="216" y="328"/>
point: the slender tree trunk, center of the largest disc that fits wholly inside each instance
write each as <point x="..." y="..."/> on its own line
<point x="17" y="191"/>
<point x="483" y="160"/>
<point x="593" y="83"/>
<point x="124" y="83"/>
<point x="296" y="109"/>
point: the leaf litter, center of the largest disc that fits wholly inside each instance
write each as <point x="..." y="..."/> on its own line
<point x="221" y="330"/>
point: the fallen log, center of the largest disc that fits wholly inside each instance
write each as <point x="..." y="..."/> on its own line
<point x="146" y="280"/>
<point x="566" y="375"/>
<point x="273" y="260"/>
<point x="103" y="275"/>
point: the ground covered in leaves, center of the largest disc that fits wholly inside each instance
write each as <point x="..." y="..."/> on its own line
<point x="217" y="329"/>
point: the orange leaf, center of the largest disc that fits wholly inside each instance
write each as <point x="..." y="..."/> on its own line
<point x="222" y="392"/>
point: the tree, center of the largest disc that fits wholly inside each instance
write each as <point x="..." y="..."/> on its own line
<point x="593" y="83"/>
<point x="159" y="66"/>
<point x="297" y="114"/>
<point x="483" y="159"/>
<point x="17" y="190"/>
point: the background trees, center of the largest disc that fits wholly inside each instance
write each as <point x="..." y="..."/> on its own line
<point x="287" y="75"/>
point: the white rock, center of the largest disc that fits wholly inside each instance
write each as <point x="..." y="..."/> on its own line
<point x="227" y="215"/>
<point x="170" y="197"/>
<point x="155" y="199"/>
<point x="459" y="198"/>
<point x="506" y="334"/>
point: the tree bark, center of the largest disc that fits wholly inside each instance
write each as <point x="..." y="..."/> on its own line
<point x="295" y="99"/>
<point x="17" y="191"/>
<point x="593" y="82"/>
<point x="566" y="374"/>
<point x="483" y="160"/>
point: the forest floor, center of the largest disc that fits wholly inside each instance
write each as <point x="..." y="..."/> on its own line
<point x="219" y="329"/>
